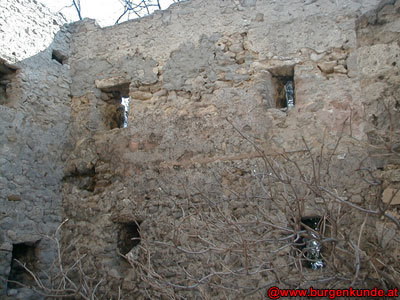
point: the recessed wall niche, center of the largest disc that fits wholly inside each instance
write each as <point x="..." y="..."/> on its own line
<point x="284" y="86"/>
<point x="25" y="253"/>
<point x="7" y="75"/>
<point x="115" y="106"/>
<point x="128" y="236"/>
<point x="58" y="56"/>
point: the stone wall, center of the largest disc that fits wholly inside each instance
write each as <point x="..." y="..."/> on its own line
<point x="27" y="28"/>
<point x="204" y="80"/>
<point x="34" y="118"/>
<point x="199" y="75"/>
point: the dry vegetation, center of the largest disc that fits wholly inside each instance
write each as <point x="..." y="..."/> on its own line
<point x="239" y="245"/>
<point x="241" y="254"/>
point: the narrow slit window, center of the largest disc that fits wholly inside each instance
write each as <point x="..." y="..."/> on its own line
<point x="284" y="92"/>
<point x="125" y="103"/>
<point x="289" y="94"/>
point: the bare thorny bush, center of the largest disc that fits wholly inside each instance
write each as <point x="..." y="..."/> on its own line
<point x="63" y="280"/>
<point x="235" y="246"/>
<point x="139" y="8"/>
<point x="130" y="8"/>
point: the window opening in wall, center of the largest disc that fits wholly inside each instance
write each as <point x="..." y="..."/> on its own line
<point x="7" y="75"/>
<point x="309" y="243"/>
<point x="128" y="236"/>
<point x="115" y="106"/>
<point x="26" y="254"/>
<point x="58" y="56"/>
<point x="125" y="102"/>
<point x="289" y="94"/>
<point x="283" y="86"/>
<point x="284" y="91"/>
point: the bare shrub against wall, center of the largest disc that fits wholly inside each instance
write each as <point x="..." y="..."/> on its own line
<point x="130" y="7"/>
<point x="252" y="232"/>
<point x="62" y="280"/>
<point x="139" y="8"/>
<point x="232" y="244"/>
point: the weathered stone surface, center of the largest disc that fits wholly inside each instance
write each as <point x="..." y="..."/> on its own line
<point x="14" y="198"/>
<point x="112" y="82"/>
<point x="141" y="95"/>
<point x="259" y="17"/>
<point x="6" y="247"/>
<point x="340" y="69"/>
<point x="391" y="195"/>
<point x="211" y="68"/>
<point x="35" y="29"/>
<point x="34" y="127"/>
<point x="327" y="67"/>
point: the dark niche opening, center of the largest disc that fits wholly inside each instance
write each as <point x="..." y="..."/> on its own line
<point x="58" y="56"/>
<point x="7" y="75"/>
<point x="310" y="244"/>
<point x="85" y="180"/>
<point x="26" y="254"/>
<point x="128" y="236"/>
<point x="115" y="108"/>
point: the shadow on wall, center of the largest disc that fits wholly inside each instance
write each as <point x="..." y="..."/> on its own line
<point x="7" y="75"/>
<point x="34" y="120"/>
<point x="25" y="254"/>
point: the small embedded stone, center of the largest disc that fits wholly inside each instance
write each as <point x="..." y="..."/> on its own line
<point x="6" y="247"/>
<point x="259" y="17"/>
<point x="134" y="146"/>
<point x="390" y="193"/>
<point x="108" y="83"/>
<point x="340" y="69"/>
<point x="327" y="67"/>
<point x="357" y="199"/>
<point x="14" y="197"/>
<point x="12" y="292"/>
<point x="139" y="95"/>
<point x="161" y="93"/>
<point x="236" y="48"/>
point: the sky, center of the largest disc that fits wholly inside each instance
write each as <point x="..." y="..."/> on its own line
<point x="106" y="12"/>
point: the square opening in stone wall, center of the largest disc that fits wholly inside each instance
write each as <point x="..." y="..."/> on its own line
<point x="7" y="75"/>
<point x="115" y="106"/>
<point x="58" y="57"/>
<point x="24" y="253"/>
<point x="128" y="236"/>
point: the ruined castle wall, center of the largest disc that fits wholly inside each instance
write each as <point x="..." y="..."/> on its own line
<point x="34" y="118"/>
<point x="192" y="72"/>
<point x="378" y="56"/>
<point x="204" y="79"/>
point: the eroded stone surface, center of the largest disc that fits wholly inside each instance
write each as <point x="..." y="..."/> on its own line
<point x="202" y="78"/>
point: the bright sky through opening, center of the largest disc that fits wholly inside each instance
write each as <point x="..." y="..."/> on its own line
<point x="106" y="12"/>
